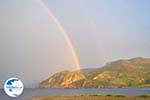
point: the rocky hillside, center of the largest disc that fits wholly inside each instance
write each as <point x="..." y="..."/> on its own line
<point x="63" y="79"/>
<point x="122" y="73"/>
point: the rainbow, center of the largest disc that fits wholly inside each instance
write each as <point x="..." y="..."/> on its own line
<point x="64" y="33"/>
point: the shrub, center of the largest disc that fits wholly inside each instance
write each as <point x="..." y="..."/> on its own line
<point x="144" y="96"/>
<point x="109" y="95"/>
<point x="120" y="96"/>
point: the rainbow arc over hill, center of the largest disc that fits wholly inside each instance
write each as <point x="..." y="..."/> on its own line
<point x="67" y="38"/>
<point x="64" y="33"/>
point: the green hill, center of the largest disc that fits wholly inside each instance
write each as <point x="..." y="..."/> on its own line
<point x="122" y="73"/>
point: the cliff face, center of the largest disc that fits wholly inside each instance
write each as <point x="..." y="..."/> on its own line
<point x="122" y="73"/>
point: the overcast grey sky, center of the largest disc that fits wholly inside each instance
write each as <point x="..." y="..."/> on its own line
<point x="32" y="47"/>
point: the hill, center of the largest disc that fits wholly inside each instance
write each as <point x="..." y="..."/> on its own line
<point x="122" y="73"/>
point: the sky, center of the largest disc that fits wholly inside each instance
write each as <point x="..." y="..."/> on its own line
<point x="33" y="48"/>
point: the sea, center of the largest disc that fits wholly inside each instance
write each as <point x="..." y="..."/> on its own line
<point x="30" y="92"/>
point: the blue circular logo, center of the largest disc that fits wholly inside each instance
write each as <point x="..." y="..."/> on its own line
<point x="13" y="87"/>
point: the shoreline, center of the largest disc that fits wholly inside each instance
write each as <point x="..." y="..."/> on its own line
<point x="94" y="97"/>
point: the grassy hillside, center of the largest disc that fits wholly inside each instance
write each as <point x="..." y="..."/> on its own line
<point x="122" y="73"/>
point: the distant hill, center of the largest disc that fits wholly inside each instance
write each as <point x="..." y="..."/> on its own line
<point x="88" y="70"/>
<point x="122" y="73"/>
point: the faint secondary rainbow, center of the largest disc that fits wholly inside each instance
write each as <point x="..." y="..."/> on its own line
<point x="64" y="33"/>
<point x="99" y="45"/>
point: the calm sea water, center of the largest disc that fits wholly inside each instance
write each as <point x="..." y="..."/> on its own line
<point x="28" y="93"/>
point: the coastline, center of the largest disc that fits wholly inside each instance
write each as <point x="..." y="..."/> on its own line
<point x="94" y="97"/>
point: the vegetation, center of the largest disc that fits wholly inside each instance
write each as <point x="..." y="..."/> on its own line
<point x="122" y="73"/>
<point x="144" y="96"/>
<point x="107" y="95"/>
<point x="95" y="97"/>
